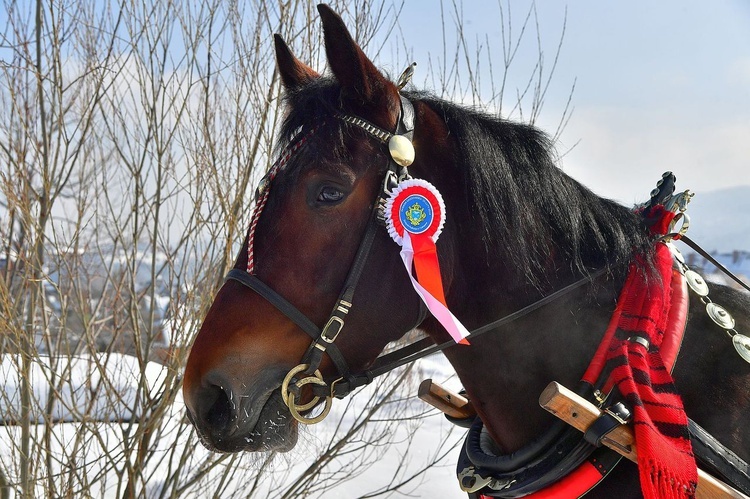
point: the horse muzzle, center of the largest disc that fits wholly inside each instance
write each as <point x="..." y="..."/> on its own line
<point x="232" y="416"/>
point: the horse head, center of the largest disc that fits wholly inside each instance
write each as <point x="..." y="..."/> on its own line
<point x="302" y="245"/>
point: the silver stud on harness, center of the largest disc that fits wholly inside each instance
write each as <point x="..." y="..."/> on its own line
<point x="678" y="203"/>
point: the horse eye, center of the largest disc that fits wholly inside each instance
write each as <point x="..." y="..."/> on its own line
<point x="330" y="195"/>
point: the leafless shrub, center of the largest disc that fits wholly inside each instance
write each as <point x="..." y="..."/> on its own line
<point x="131" y="138"/>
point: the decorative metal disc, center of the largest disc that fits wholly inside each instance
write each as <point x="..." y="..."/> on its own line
<point x="676" y="253"/>
<point x="696" y="283"/>
<point x="720" y="316"/>
<point x="742" y="344"/>
<point x="401" y="149"/>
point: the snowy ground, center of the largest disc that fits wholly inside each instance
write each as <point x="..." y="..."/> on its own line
<point x="85" y="454"/>
<point x="439" y="481"/>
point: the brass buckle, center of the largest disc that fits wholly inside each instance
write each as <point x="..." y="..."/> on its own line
<point x="324" y="334"/>
<point x="333" y="386"/>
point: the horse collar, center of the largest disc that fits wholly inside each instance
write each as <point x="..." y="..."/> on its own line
<point x="561" y="459"/>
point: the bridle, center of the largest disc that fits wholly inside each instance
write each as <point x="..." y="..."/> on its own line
<point x="307" y="372"/>
<point x="323" y="339"/>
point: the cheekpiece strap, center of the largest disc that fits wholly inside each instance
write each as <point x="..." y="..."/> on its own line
<point x="337" y="318"/>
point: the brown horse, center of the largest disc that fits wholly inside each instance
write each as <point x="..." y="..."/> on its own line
<point x="517" y="229"/>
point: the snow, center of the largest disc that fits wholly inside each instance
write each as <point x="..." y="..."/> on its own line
<point x="102" y="387"/>
<point x="91" y="423"/>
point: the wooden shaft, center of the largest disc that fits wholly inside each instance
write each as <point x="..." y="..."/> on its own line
<point x="580" y="413"/>
<point x="452" y="404"/>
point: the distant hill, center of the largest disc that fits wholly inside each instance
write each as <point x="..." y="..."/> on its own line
<point x="720" y="220"/>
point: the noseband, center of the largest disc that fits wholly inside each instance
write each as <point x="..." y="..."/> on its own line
<point x="307" y="373"/>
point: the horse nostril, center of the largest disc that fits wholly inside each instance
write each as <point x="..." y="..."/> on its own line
<point x="219" y="411"/>
<point x="216" y="407"/>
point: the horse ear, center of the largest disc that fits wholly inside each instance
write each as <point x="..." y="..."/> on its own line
<point x="294" y="74"/>
<point x="362" y="85"/>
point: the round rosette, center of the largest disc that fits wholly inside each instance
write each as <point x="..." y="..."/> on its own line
<point x="415" y="206"/>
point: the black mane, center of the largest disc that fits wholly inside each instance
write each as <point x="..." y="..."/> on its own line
<point x="527" y="207"/>
<point x="524" y="204"/>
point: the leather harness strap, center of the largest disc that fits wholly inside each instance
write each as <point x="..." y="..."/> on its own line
<point x="718" y="459"/>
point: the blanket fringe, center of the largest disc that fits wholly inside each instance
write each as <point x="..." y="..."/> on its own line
<point x="660" y="483"/>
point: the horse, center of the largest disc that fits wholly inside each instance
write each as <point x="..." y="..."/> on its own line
<point x="517" y="229"/>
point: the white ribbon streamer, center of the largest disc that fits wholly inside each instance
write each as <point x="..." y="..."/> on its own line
<point x="441" y="313"/>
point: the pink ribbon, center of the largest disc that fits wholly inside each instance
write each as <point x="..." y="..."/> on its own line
<point x="436" y="305"/>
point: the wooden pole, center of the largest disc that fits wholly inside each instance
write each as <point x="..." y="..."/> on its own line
<point x="452" y="404"/>
<point x="580" y="413"/>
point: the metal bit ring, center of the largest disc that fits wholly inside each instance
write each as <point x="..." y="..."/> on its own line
<point x="299" y="384"/>
<point x="293" y="408"/>
<point x="288" y="396"/>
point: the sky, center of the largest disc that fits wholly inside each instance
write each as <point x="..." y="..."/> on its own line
<point x="658" y="85"/>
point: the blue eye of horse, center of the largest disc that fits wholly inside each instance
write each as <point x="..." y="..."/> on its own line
<point x="330" y="195"/>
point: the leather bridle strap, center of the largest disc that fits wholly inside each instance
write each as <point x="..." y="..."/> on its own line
<point x="336" y="320"/>
<point x="286" y="308"/>
<point x="275" y="299"/>
<point x="324" y="342"/>
<point x="323" y="338"/>
<point x="426" y="346"/>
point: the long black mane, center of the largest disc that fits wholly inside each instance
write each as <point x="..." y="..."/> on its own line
<point x="527" y="207"/>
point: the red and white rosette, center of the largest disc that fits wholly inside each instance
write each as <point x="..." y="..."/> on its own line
<point x="415" y="215"/>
